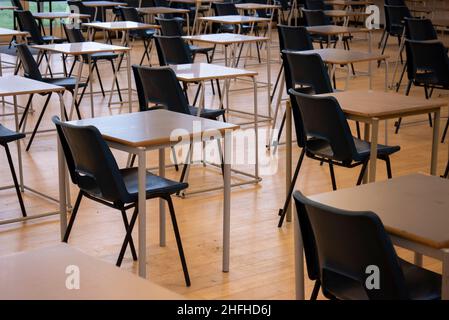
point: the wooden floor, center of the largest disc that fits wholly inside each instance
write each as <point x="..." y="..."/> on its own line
<point x="261" y="254"/>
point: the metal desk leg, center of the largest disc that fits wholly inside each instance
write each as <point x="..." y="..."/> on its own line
<point x="288" y="155"/>
<point x="128" y="74"/>
<point x="373" y="157"/>
<point x="162" y="215"/>
<point x="299" y="261"/>
<point x="227" y="152"/>
<point x="435" y="143"/>
<point x="78" y="80"/>
<point x="256" y="129"/>
<point x="445" y="280"/>
<point x="141" y="154"/>
<point x="19" y="149"/>
<point x="89" y="64"/>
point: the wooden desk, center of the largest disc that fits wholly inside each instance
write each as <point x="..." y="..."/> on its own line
<point x="58" y="15"/>
<point x="40" y="274"/>
<point x="414" y="210"/>
<point x="444" y="23"/>
<point x="346" y="15"/>
<point x="203" y="72"/>
<point x="348" y="3"/>
<point x="153" y="11"/>
<point x="103" y="5"/>
<point x="235" y="20"/>
<point x="332" y="30"/>
<point x="140" y="132"/>
<point x="198" y="5"/>
<point x="13" y="86"/>
<point x="89" y="48"/>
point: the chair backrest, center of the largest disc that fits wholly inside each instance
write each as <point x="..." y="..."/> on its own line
<point x="143" y="105"/>
<point x="73" y="33"/>
<point x="314" y="4"/>
<point x="79" y="7"/>
<point x="325" y="125"/>
<point x="174" y="50"/>
<point x="161" y="87"/>
<point x="429" y="57"/>
<point x="27" y="23"/>
<point x="350" y="242"/>
<point x="316" y="18"/>
<point x="395" y="16"/>
<point x="147" y="3"/>
<point x="17" y="4"/>
<point x="30" y="66"/>
<point x="294" y="38"/>
<point x="161" y="3"/>
<point x="170" y="27"/>
<point x="419" y="29"/>
<point x="395" y="3"/>
<point x="93" y="165"/>
<point x="225" y="9"/>
<point x="308" y="239"/>
<point x="308" y="70"/>
<point x="130" y="14"/>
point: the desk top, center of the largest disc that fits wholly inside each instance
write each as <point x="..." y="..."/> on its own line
<point x="345" y="13"/>
<point x="10" y="32"/>
<point x="78" y="48"/>
<point x="104" y="4"/>
<point x="59" y="15"/>
<point x="256" y="6"/>
<point x="234" y="19"/>
<point x="341" y="56"/>
<point x="161" y="10"/>
<point x="441" y="22"/>
<point x="17" y="85"/>
<point x="225" y="38"/>
<point x="348" y="2"/>
<point x="208" y="71"/>
<point x="41" y="274"/>
<point x="383" y="105"/>
<point x="121" y="25"/>
<point x="414" y="207"/>
<point x="335" y="30"/>
<point x="153" y="128"/>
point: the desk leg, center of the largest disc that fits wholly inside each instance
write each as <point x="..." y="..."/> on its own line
<point x="417" y="259"/>
<point x="128" y="75"/>
<point x="256" y="130"/>
<point x="445" y="280"/>
<point x="435" y="143"/>
<point x="227" y="199"/>
<point x="299" y="261"/>
<point x="373" y="157"/>
<point x="89" y="64"/>
<point x="162" y="201"/>
<point x="288" y="155"/>
<point x="19" y="149"/>
<point x="78" y="80"/>
<point x="141" y="154"/>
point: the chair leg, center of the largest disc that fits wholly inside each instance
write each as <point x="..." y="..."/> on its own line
<point x="316" y="290"/>
<point x="334" y="182"/>
<point x="388" y="164"/>
<point x="175" y="159"/>
<point x="72" y="217"/>
<point x="398" y="86"/>
<point x="446" y="172"/>
<point x="131" y="242"/>
<point x="128" y="236"/>
<point x="445" y="131"/>
<point x="14" y="178"/>
<point x="362" y="172"/>
<point x="116" y="82"/>
<point x="357" y="126"/>
<point x="381" y="39"/>
<point x="178" y="241"/>
<point x="25" y="111"/>
<point x="77" y="107"/>
<point x="283" y="211"/>
<point x="99" y="78"/>
<point x="38" y="122"/>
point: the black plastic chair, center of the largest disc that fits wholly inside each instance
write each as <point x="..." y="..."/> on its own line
<point x="74" y="35"/>
<point x="161" y="88"/>
<point x="31" y="70"/>
<point x="173" y="28"/>
<point x="326" y="137"/>
<point x="229" y="9"/>
<point x="94" y="170"/>
<point x="79" y="7"/>
<point x="347" y="242"/>
<point x="7" y="136"/>
<point x="27" y="23"/>
<point x="316" y="5"/>
<point x="131" y="14"/>
<point x="394" y="23"/>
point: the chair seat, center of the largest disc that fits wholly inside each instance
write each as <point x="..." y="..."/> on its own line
<point x="142" y="34"/>
<point x="104" y="56"/>
<point x="68" y="83"/>
<point x="322" y="148"/>
<point x="207" y="113"/>
<point x="155" y="186"/>
<point x="202" y="50"/>
<point x="7" y="135"/>
<point x="53" y="39"/>
<point x="421" y="283"/>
